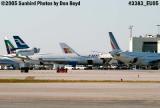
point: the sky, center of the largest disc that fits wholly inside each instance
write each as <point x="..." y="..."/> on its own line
<point x="85" y="28"/>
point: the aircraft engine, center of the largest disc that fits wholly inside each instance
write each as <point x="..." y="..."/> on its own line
<point x="36" y="50"/>
<point x="133" y="60"/>
<point x="128" y="59"/>
<point x="27" y="52"/>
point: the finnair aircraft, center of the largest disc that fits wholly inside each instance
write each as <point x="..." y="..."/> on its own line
<point x="17" y="56"/>
<point x="23" y="49"/>
<point x="20" y="43"/>
<point x="145" y="59"/>
<point x="62" y="59"/>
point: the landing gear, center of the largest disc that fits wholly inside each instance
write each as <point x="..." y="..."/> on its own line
<point x="152" y="67"/>
<point x="24" y="69"/>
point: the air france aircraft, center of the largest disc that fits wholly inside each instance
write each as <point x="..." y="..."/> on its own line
<point x="145" y="59"/>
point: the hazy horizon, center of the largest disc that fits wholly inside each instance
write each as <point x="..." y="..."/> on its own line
<point x="85" y="28"/>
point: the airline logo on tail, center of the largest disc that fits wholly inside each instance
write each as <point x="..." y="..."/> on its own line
<point x="67" y="50"/>
<point x="113" y="42"/>
<point x="9" y="46"/>
<point x="20" y="43"/>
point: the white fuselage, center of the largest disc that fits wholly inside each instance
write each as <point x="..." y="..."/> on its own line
<point x="137" y="58"/>
<point x="64" y="59"/>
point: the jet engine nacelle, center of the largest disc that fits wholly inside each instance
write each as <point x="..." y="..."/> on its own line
<point x="27" y="52"/>
<point x="132" y="60"/>
<point x="36" y="50"/>
<point x="95" y="61"/>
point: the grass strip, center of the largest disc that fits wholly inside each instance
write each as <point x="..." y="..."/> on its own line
<point x="73" y="81"/>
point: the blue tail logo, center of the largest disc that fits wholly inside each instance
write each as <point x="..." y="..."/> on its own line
<point x="20" y="43"/>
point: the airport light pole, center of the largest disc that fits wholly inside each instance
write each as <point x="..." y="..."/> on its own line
<point x="131" y="29"/>
<point x="158" y="29"/>
<point x="130" y="39"/>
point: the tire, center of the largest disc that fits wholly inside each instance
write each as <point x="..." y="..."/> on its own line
<point x="26" y="70"/>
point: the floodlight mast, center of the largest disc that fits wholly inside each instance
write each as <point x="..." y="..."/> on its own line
<point x="158" y="29"/>
<point x="131" y="30"/>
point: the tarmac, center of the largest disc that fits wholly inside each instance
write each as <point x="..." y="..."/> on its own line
<point x="78" y="95"/>
<point x="138" y="75"/>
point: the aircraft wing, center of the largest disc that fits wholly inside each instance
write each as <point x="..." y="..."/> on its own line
<point x="57" y="60"/>
<point x="151" y="60"/>
<point x="15" y="56"/>
<point x="154" y="61"/>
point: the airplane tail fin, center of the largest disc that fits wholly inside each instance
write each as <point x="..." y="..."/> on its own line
<point x="113" y="42"/>
<point x="20" y="43"/>
<point x="9" y="46"/>
<point x="67" y="49"/>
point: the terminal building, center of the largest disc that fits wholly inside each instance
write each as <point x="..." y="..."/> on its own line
<point x="148" y="43"/>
